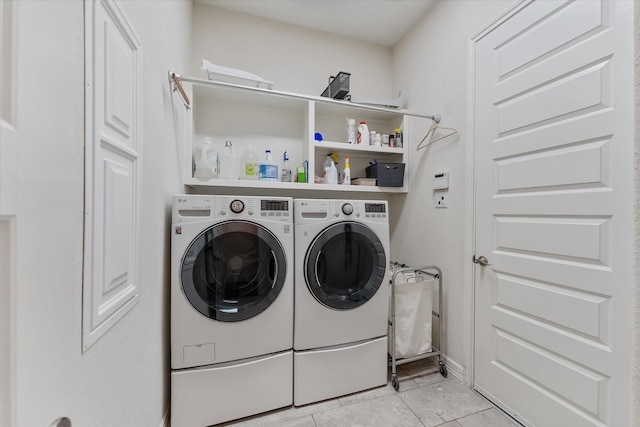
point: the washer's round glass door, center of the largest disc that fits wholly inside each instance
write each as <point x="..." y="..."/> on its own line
<point x="345" y="265"/>
<point x="233" y="271"/>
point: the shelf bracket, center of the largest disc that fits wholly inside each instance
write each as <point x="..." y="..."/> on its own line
<point x="174" y="79"/>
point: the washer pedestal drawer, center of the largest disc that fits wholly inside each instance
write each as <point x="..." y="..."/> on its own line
<point x="335" y="371"/>
<point x="217" y="393"/>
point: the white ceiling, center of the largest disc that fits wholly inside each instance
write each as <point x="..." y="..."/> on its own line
<point x="382" y="22"/>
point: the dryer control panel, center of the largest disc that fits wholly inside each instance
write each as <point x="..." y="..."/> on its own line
<point x="196" y="207"/>
<point x="314" y="210"/>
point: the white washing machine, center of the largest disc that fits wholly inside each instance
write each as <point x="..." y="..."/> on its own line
<point x="231" y="307"/>
<point x="341" y="297"/>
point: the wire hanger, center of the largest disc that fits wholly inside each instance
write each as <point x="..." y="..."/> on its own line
<point x="432" y="132"/>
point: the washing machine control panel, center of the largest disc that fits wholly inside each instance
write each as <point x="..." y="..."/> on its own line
<point x="375" y="207"/>
<point x="375" y="211"/>
<point x="279" y="210"/>
<point x="237" y="206"/>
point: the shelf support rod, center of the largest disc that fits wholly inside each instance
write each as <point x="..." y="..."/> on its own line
<point x="177" y="86"/>
<point x="175" y="79"/>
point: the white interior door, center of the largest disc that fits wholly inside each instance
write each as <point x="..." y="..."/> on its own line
<point x="554" y="173"/>
<point x="8" y="193"/>
<point x="113" y="159"/>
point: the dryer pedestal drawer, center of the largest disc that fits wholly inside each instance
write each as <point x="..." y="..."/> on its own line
<point x="335" y="371"/>
<point x="215" y="394"/>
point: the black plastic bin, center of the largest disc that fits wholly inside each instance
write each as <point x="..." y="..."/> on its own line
<point x="387" y="174"/>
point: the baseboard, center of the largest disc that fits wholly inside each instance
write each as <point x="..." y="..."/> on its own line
<point x="455" y="369"/>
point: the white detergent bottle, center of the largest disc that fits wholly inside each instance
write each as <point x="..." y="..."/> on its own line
<point x="330" y="171"/>
<point x="268" y="168"/>
<point x="363" y="134"/>
<point x="249" y="164"/>
<point x="325" y="168"/>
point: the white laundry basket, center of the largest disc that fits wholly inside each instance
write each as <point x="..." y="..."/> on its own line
<point x="413" y="314"/>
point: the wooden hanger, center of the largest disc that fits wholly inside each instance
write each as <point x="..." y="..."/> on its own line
<point x="432" y="132"/>
<point x="178" y="86"/>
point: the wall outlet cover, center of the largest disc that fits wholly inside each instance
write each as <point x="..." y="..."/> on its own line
<point x="440" y="199"/>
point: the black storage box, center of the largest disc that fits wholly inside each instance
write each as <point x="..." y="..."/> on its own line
<point x="387" y="174"/>
<point x="338" y="86"/>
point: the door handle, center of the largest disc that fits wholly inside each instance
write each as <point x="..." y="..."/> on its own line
<point x="482" y="260"/>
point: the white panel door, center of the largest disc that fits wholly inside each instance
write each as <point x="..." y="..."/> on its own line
<point x="113" y="163"/>
<point x="554" y="172"/>
<point x="8" y="209"/>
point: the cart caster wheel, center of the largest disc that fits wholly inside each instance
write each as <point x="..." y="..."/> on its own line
<point x="443" y="370"/>
<point x="395" y="383"/>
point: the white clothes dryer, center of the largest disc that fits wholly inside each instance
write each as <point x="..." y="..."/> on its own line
<point x="341" y="297"/>
<point x="231" y="307"/>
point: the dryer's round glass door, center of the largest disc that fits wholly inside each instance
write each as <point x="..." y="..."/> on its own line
<point x="233" y="271"/>
<point x="345" y="265"/>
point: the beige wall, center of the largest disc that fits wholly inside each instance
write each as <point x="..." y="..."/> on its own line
<point x="296" y="59"/>
<point x="432" y="66"/>
<point x="123" y="379"/>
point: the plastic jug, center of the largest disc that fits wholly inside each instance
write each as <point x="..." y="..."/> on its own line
<point x="228" y="163"/>
<point x="330" y="172"/>
<point x="363" y="134"/>
<point x="325" y="167"/>
<point x="206" y="166"/>
<point x="249" y="164"/>
<point x="268" y="168"/>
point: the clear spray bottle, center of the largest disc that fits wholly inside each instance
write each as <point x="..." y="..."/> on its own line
<point x="286" y="169"/>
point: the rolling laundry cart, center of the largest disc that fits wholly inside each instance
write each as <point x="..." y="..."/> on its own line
<point x="427" y="270"/>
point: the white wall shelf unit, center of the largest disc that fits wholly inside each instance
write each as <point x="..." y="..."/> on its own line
<point x="284" y="121"/>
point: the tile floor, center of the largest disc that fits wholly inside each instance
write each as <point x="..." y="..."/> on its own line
<point x="425" y="399"/>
